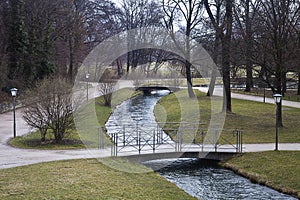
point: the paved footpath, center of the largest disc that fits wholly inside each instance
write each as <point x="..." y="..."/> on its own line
<point x="219" y="92"/>
<point x="13" y="157"/>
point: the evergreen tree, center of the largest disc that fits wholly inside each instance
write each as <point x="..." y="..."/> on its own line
<point x="17" y="41"/>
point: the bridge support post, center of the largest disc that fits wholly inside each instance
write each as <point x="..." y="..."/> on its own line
<point x="176" y="142"/>
<point x="180" y="139"/>
<point x="202" y="134"/>
<point x="195" y="133"/>
<point x="139" y="140"/>
<point x="153" y="141"/>
<point x="124" y="143"/>
<point x="114" y="146"/>
<point x="215" y="140"/>
<point x="239" y="142"/>
<point x="112" y="150"/>
<point x="100" y="138"/>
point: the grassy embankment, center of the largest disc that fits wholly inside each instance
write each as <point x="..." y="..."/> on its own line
<point x="280" y="169"/>
<point x="255" y="119"/>
<point x="85" y="179"/>
<point x="277" y="169"/>
<point x="74" y="140"/>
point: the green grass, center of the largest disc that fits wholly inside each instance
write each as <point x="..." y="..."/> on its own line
<point x="277" y="169"/>
<point x="33" y="140"/>
<point x="77" y="140"/>
<point x="255" y="119"/>
<point x="84" y="179"/>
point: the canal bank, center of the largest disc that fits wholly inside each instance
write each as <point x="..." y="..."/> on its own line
<point x="133" y="111"/>
<point x="277" y="170"/>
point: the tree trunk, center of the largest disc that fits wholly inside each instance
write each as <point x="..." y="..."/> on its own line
<point x="226" y="77"/>
<point x="284" y="83"/>
<point x="226" y="46"/>
<point x="298" y="91"/>
<point x="248" y="38"/>
<point x="189" y="80"/>
<point x="212" y="83"/>
<point x="187" y="61"/>
<point x="71" y="62"/>
<point x="120" y="67"/>
<point x="43" y="134"/>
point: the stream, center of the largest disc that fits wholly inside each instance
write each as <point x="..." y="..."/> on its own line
<point x="204" y="180"/>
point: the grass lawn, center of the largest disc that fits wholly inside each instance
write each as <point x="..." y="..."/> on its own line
<point x="33" y="140"/>
<point x="277" y="169"/>
<point x="73" y="140"/>
<point x="84" y="179"/>
<point x="255" y="119"/>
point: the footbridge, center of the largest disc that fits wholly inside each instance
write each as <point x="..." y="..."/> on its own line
<point x="147" y="89"/>
<point x="144" y="142"/>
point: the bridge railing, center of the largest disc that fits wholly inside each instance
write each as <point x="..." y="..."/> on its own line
<point x="170" y="137"/>
<point x="172" y="82"/>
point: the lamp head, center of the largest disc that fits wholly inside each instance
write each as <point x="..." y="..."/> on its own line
<point x="277" y="98"/>
<point x="14" y="92"/>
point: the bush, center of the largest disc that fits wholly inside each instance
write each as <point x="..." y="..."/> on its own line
<point x="50" y="106"/>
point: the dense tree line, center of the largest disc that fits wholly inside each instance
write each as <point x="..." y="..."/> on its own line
<point x="42" y="38"/>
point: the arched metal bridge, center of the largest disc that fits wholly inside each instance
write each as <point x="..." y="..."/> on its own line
<point x="181" y="140"/>
<point x="147" y="89"/>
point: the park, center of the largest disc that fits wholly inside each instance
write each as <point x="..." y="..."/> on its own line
<point x="169" y="99"/>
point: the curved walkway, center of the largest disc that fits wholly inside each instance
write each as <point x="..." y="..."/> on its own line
<point x="219" y="92"/>
<point x="13" y="157"/>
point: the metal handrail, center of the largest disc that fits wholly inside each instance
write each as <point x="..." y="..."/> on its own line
<point x="155" y="138"/>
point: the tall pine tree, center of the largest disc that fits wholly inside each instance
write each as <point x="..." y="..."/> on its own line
<point x="17" y="41"/>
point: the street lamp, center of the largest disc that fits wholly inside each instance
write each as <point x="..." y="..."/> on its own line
<point x="14" y="95"/>
<point x="87" y="85"/>
<point x="277" y="99"/>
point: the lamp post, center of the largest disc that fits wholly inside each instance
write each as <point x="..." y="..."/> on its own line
<point x="14" y="95"/>
<point x="277" y="99"/>
<point x="264" y="84"/>
<point x="87" y="85"/>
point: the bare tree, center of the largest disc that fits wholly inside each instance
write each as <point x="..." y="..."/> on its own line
<point x="278" y="20"/>
<point x="245" y="13"/>
<point x="224" y="32"/>
<point x="191" y="12"/>
<point x="139" y="14"/>
<point x="49" y="106"/>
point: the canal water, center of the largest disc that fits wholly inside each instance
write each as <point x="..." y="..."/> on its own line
<point x="204" y="180"/>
